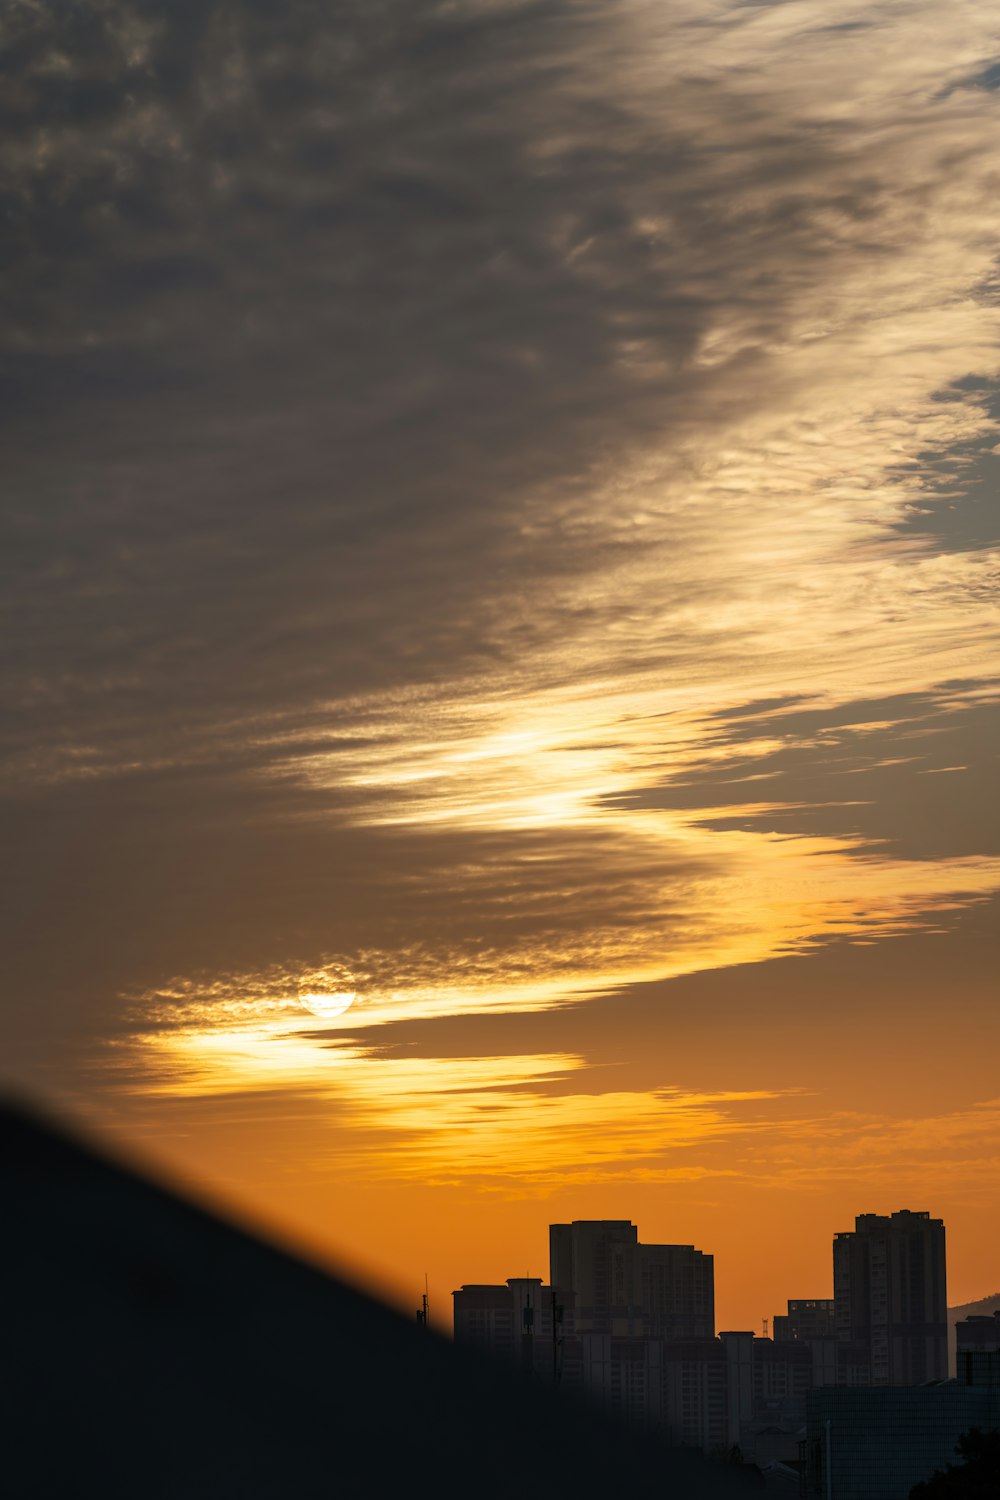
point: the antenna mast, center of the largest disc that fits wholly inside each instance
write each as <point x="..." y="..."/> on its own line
<point x="557" y="1339"/>
<point x="528" y="1333"/>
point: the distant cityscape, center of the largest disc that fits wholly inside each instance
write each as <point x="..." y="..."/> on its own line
<point x="850" y="1397"/>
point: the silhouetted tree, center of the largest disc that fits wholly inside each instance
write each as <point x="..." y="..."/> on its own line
<point x="976" y="1478"/>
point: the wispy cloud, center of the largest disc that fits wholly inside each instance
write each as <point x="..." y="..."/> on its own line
<point x="507" y="1121"/>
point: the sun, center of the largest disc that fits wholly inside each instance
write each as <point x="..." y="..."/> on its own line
<point x="329" y="1006"/>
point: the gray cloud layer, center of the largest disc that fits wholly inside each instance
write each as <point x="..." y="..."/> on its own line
<point x="321" y="320"/>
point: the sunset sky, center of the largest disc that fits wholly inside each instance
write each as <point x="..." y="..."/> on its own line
<point x="501" y="522"/>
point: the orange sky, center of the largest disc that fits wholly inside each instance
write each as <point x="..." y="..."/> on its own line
<point x="503" y="527"/>
<point x="887" y="1105"/>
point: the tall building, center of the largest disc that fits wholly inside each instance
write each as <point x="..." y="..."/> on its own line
<point x="890" y="1294"/>
<point x="620" y="1287"/>
<point x="632" y="1325"/>
<point x="676" y="1292"/>
<point x="595" y="1260"/>
<point x="782" y="1374"/>
<point x="695" y="1385"/>
<point x="806" y="1318"/>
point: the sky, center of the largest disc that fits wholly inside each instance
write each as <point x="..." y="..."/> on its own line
<point x="499" y="547"/>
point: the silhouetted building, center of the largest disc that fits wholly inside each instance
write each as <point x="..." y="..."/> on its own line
<point x="876" y="1444"/>
<point x="807" y="1318"/>
<point x="676" y="1292"/>
<point x="695" y="1378"/>
<point x="811" y="1322"/>
<point x="782" y="1375"/>
<point x="623" y="1288"/>
<point x="766" y="1388"/>
<point x="738" y="1345"/>
<point x="839" y="1361"/>
<point x="635" y="1328"/>
<point x="514" y="1320"/>
<point x="484" y="1316"/>
<point x="978" y="1332"/>
<point x="979" y="1367"/>
<point x="890" y="1294"/>
<point x="678" y="1385"/>
<point x="733" y="1391"/>
<point x="624" y="1374"/>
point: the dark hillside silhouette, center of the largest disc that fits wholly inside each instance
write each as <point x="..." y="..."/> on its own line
<point x="151" y="1350"/>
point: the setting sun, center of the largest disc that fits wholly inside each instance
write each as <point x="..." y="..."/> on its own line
<point x="329" y="1006"/>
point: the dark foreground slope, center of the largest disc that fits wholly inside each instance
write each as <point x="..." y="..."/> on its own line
<point x="149" y="1350"/>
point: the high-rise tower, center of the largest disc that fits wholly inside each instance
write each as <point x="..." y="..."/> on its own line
<point x="890" y="1293"/>
<point x="626" y="1289"/>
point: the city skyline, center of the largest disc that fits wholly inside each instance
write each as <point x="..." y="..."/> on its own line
<point x="820" y="1314"/>
<point x="631" y="1325"/>
<point x="499" y="553"/>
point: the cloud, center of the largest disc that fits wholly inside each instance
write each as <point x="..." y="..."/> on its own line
<point x="394" y="347"/>
<point x="505" y="1120"/>
<point x="431" y="427"/>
